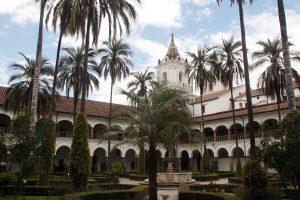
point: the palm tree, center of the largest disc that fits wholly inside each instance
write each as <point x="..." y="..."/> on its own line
<point x="246" y="71"/>
<point x="272" y="80"/>
<point x="118" y="13"/>
<point x="65" y="12"/>
<point x="18" y="96"/>
<point x="286" y="56"/>
<point x="114" y="63"/>
<point x="229" y="69"/>
<point x="162" y="109"/>
<point x="140" y="84"/>
<point x="198" y="73"/>
<point x="38" y="66"/>
<point x="71" y="71"/>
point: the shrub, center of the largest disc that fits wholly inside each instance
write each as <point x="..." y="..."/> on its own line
<point x="255" y="180"/>
<point x="205" y="177"/>
<point x="205" y="161"/>
<point x="225" y="174"/>
<point x="235" y="180"/>
<point x="230" y="188"/>
<point x="137" y="177"/>
<point x="45" y="130"/>
<point x="114" y="174"/>
<point x="7" y="179"/>
<point x="80" y="154"/>
<point x="30" y="190"/>
<point x="238" y="167"/>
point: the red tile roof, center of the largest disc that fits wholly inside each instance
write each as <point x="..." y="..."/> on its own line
<point x="65" y="105"/>
<point x="243" y="112"/>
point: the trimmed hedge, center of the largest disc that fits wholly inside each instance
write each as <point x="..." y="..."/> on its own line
<point x="235" y="180"/>
<point x="192" y="195"/>
<point x="57" y="181"/>
<point x="100" y="179"/>
<point x="137" y="177"/>
<point x="138" y="192"/>
<point x="29" y="190"/>
<point x="203" y="177"/>
<point x="226" y="174"/>
<point x="229" y="188"/>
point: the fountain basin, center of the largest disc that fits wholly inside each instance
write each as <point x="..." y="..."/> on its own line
<point x="181" y="177"/>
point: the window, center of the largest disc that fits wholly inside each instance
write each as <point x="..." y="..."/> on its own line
<point x="164" y="77"/>
<point x="180" y="77"/>
<point x="203" y="108"/>
<point x="241" y="105"/>
<point x="257" y="97"/>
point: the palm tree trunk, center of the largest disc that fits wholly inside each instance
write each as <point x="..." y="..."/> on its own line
<point x="286" y="57"/>
<point x="152" y="172"/>
<point x="37" y="70"/>
<point x="52" y="105"/>
<point x="278" y="99"/>
<point x="233" y="116"/>
<point x="109" y="120"/>
<point x="247" y="79"/>
<point x="202" y="116"/>
<point x="85" y="62"/>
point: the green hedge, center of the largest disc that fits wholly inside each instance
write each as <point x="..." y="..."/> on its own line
<point x="100" y="179"/>
<point x="57" y="181"/>
<point x="138" y="192"/>
<point x="30" y="190"/>
<point x="229" y="188"/>
<point x="203" y="177"/>
<point x="235" y="180"/>
<point x="226" y="174"/>
<point x="137" y="177"/>
<point x="192" y="195"/>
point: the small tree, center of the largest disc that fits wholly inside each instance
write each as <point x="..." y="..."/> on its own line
<point x="45" y="130"/>
<point x="80" y="153"/>
<point x="206" y="161"/>
<point x="142" y="157"/>
<point x="255" y="180"/>
<point x="114" y="174"/>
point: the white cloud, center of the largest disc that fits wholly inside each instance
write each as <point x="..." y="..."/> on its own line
<point x="165" y="14"/>
<point x="202" y="14"/>
<point x="2" y="34"/>
<point x="201" y="2"/>
<point x="20" y="11"/>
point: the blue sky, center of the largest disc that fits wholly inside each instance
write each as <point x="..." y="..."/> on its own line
<point x="194" y="22"/>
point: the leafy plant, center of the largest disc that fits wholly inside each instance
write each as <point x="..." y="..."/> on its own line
<point x="114" y="174"/>
<point x="206" y="162"/>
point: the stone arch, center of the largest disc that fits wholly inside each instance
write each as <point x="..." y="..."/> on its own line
<point x="270" y="124"/>
<point x="5" y="123"/>
<point x="221" y="133"/>
<point x="64" y="128"/>
<point x="61" y="160"/>
<point x="237" y="152"/>
<point x="98" y="131"/>
<point x="196" y="160"/>
<point x="223" y="153"/>
<point x="256" y="126"/>
<point x="208" y="133"/>
<point x="116" y="156"/>
<point x="130" y="160"/>
<point x="185" y="160"/>
<point x="239" y="129"/>
<point x="210" y="153"/>
<point x="99" y="160"/>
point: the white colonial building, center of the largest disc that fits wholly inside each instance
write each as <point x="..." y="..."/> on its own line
<point x="217" y="119"/>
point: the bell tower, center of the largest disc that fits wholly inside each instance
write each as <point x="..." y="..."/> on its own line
<point x="171" y="69"/>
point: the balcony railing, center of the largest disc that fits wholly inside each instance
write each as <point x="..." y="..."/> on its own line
<point x="112" y="137"/>
<point x="64" y="134"/>
<point x="260" y="134"/>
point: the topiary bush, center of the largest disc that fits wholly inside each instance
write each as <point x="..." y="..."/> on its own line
<point x="114" y="173"/>
<point x="255" y="180"/>
<point x="80" y="154"/>
<point x="206" y="161"/>
<point x="7" y="179"/>
<point x="239" y="168"/>
<point x="45" y="130"/>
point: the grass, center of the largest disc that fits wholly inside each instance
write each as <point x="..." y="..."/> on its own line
<point x="10" y="197"/>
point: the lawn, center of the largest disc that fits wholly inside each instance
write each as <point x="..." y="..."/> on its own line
<point x="10" y="197"/>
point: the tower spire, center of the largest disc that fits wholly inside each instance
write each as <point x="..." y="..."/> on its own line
<point x="172" y="50"/>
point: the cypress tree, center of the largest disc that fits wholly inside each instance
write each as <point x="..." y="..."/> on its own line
<point x="80" y="153"/>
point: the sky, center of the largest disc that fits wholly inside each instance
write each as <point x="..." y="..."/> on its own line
<point x="195" y="23"/>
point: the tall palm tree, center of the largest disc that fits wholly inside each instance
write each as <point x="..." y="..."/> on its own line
<point x="71" y="72"/>
<point x="18" y="96"/>
<point x="39" y="61"/>
<point x="114" y="63"/>
<point x="119" y="13"/>
<point x="140" y="84"/>
<point x="229" y="70"/>
<point x="272" y="80"/>
<point x="162" y="109"/>
<point x="200" y="74"/>
<point x="286" y="56"/>
<point x="246" y="71"/>
<point x="64" y="14"/>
